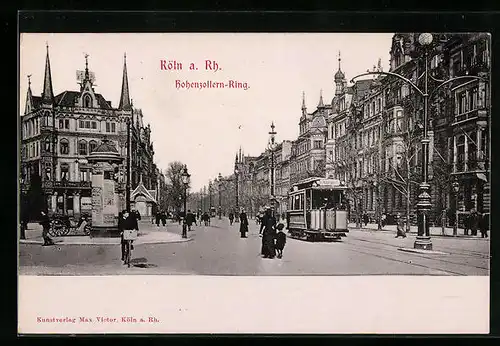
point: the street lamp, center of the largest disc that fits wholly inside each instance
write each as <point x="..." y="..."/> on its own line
<point x="236" y="171"/>
<point x="423" y="240"/>
<point x="185" y="180"/>
<point x="456" y="189"/>
<point x="272" y="147"/>
<point x="127" y="185"/>
<point x="220" y="187"/>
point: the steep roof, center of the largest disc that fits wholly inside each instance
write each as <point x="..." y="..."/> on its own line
<point x="141" y="190"/>
<point x="361" y="88"/>
<point x="67" y="99"/>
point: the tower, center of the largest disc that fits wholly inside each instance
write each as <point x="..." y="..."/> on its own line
<point x="340" y="81"/>
<point x="125" y="103"/>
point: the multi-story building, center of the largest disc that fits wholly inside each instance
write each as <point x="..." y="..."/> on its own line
<point x="58" y="132"/>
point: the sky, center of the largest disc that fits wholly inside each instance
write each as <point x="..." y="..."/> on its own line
<point x="204" y="128"/>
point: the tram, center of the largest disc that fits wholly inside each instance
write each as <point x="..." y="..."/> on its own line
<point x="317" y="210"/>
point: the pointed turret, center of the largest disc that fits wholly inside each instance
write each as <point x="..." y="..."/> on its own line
<point x="241" y="157"/>
<point x="379" y="65"/>
<point x="236" y="158"/>
<point x="29" y="98"/>
<point x="125" y="103"/>
<point x="339" y="80"/>
<point x="48" y="93"/>
<point x="304" y="108"/>
<point x="321" y="104"/>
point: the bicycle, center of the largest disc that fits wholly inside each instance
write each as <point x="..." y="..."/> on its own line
<point x="129" y="236"/>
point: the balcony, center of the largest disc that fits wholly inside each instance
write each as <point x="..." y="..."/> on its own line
<point x="68" y="184"/>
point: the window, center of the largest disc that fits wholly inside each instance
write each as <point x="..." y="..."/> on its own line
<point x="472" y="150"/>
<point x="462" y="103"/>
<point x="64" y="172"/>
<point x="64" y="146"/>
<point x="94" y="125"/>
<point x="473" y="98"/>
<point x="81" y="124"/>
<point x="61" y="123"/>
<point x="48" y="171"/>
<point x="87" y="124"/>
<point x="108" y="127"/>
<point x="92" y="146"/>
<point x="47" y="144"/>
<point x="318" y="144"/>
<point x="461" y="153"/>
<point x="82" y="147"/>
<point x="66" y="124"/>
<point x="87" y="101"/>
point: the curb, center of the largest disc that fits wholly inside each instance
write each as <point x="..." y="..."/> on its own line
<point x="430" y="252"/>
<point x="61" y="242"/>
<point x="468" y="237"/>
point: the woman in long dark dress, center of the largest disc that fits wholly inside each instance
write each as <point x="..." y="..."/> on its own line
<point x="268" y="235"/>
<point x="243" y="224"/>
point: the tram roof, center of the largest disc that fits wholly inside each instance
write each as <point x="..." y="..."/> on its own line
<point x="319" y="183"/>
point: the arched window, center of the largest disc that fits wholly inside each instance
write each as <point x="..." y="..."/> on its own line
<point x="64" y="172"/>
<point x="82" y="147"/>
<point x="87" y="101"/>
<point x="92" y="146"/>
<point x="472" y="150"/>
<point x="47" y="144"/>
<point x="64" y="146"/>
<point x="461" y="153"/>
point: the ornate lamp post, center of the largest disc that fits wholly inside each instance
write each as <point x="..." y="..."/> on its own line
<point x="236" y="172"/>
<point x="456" y="189"/>
<point x="220" y="188"/>
<point x="424" y="205"/>
<point x="185" y="180"/>
<point x="272" y="147"/>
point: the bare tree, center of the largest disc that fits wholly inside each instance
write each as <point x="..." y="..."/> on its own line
<point x="174" y="185"/>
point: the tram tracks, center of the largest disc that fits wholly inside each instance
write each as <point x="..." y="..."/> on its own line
<point x="391" y="248"/>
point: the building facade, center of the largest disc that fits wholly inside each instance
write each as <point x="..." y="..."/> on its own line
<point x="58" y="132"/>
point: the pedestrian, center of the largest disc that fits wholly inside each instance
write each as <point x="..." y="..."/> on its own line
<point x="136" y="214"/>
<point x="45" y="222"/>
<point x="24" y="217"/>
<point x="158" y="217"/>
<point x="163" y="217"/>
<point x="127" y="221"/>
<point x="243" y="224"/>
<point x="280" y="240"/>
<point x="190" y="219"/>
<point x="474" y="222"/>
<point x="466" y="222"/>
<point x="382" y="220"/>
<point x="400" y="229"/>
<point x="231" y="218"/>
<point x="365" y="219"/>
<point x="483" y="225"/>
<point x="268" y="231"/>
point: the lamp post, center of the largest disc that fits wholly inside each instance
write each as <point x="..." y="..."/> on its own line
<point x="127" y="185"/>
<point x="185" y="180"/>
<point x="210" y="196"/>
<point x="423" y="240"/>
<point x="272" y="147"/>
<point x="378" y="212"/>
<point x="236" y="171"/>
<point x="220" y="188"/>
<point x="456" y="189"/>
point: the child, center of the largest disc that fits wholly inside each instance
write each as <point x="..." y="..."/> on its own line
<point x="280" y="240"/>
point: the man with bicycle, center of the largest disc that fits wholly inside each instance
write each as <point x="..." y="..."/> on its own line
<point x="127" y="221"/>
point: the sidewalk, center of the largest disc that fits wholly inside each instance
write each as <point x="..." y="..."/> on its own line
<point x="148" y="234"/>
<point x="433" y="231"/>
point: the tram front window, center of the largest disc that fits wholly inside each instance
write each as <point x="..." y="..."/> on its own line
<point x="329" y="198"/>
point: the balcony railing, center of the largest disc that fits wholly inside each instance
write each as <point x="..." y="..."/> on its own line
<point x="68" y="184"/>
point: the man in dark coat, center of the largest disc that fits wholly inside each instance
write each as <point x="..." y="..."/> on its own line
<point x="190" y="219"/>
<point x="163" y="217"/>
<point x="483" y="225"/>
<point x="243" y="224"/>
<point x="268" y="230"/>
<point x="231" y="218"/>
<point x="126" y="221"/>
<point x="45" y="222"/>
<point x="158" y="217"/>
<point x="474" y="222"/>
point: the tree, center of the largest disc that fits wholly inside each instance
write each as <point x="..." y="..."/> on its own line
<point x="174" y="185"/>
<point x="402" y="174"/>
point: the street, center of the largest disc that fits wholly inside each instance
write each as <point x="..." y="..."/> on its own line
<point x="219" y="250"/>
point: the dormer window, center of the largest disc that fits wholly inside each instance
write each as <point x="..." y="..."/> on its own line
<point x="87" y="101"/>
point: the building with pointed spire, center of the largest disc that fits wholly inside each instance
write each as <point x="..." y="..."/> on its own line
<point x="59" y="131"/>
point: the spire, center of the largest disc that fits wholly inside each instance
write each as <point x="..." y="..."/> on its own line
<point x="321" y="104"/>
<point x="379" y="65"/>
<point x="241" y="157"/>
<point x="29" y="97"/>
<point x="125" y="103"/>
<point x="48" y="93"/>
<point x="87" y="76"/>
<point x="304" y="101"/>
<point x="236" y="158"/>
<point x="339" y="76"/>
